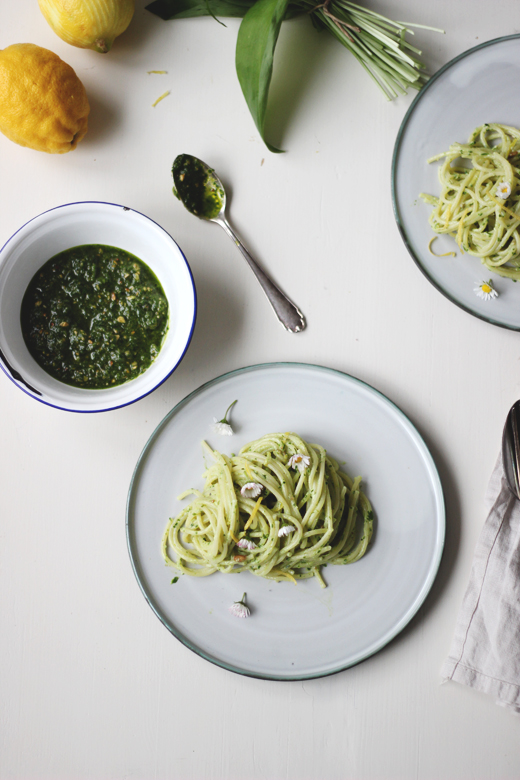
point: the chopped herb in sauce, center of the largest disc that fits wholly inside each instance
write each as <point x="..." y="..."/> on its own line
<point x="197" y="186"/>
<point x="94" y="316"/>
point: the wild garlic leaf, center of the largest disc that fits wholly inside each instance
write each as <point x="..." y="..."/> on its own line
<point x="256" y="43"/>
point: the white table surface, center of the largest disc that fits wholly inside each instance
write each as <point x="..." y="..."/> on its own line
<point x="91" y="684"/>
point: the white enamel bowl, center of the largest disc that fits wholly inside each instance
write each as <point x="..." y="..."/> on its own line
<point x="92" y="222"/>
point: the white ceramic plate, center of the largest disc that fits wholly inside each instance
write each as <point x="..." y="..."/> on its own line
<point x="295" y="631"/>
<point x="475" y="88"/>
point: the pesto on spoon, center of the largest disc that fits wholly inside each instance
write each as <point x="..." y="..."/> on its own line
<point x="200" y="190"/>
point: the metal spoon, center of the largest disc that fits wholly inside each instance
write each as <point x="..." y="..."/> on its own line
<point x="200" y="190"/>
<point x="511" y="449"/>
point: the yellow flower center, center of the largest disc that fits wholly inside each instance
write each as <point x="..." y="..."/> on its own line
<point x="486" y="288"/>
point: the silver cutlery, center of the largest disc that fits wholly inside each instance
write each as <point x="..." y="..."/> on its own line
<point x="200" y="190"/>
<point x="511" y="449"/>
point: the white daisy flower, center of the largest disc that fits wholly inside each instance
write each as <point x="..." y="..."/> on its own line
<point x="223" y="427"/>
<point x="503" y="190"/>
<point x="251" y="489"/>
<point x="285" y="530"/>
<point x="299" y="461"/>
<point x="485" y="290"/>
<point x="239" y="609"/>
<point x="246" y="544"/>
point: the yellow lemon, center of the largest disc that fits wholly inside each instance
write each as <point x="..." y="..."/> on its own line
<point x="43" y="104"/>
<point x="89" y="24"/>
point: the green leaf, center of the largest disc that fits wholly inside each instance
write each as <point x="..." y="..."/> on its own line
<point x="256" y="42"/>
<point x="184" y="9"/>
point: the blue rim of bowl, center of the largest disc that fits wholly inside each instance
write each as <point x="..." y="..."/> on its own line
<point x="426" y="585"/>
<point x="19" y="384"/>
<point x="397" y="147"/>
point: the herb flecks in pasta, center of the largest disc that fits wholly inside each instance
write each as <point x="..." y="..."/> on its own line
<point x="479" y="204"/>
<point x="303" y="520"/>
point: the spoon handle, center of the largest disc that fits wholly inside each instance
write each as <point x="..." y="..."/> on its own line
<point x="289" y="315"/>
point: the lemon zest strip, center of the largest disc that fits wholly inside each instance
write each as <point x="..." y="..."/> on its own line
<point x="284" y="574"/>
<point x="253" y="513"/>
<point x="165" y="94"/>
<point x="508" y="211"/>
<point x="444" y="254"/>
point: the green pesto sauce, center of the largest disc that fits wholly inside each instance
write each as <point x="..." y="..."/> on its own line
<point x="196" y="187"/>
<point x="94" y="316"/>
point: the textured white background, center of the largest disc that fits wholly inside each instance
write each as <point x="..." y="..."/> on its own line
<point x="91" y="684"/>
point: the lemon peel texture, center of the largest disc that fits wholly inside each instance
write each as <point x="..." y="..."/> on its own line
<point x="43" y="104"/>
<point x="88" y="24"/>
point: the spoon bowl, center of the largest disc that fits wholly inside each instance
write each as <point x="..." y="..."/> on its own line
<point x="511" y="449"/>
<point x="202" y="193"/>
<point x="198" y="187"/>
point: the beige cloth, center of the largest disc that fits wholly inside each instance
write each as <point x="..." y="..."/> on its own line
<point x="485" y="651"/>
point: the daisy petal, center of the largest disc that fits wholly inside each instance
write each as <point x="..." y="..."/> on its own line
<point x="246" y="544"/>
<point x="503" y="190"/>
<point x="239" y="608"/>
<point x="222" y="428"/>
<point x="299" y="461"/>
<point x="251" y="489"/>
<point x="485" y="291"/>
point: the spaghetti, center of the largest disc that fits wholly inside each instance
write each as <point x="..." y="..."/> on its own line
<point x="479" y="204"/>
<point x="308" y="514"/>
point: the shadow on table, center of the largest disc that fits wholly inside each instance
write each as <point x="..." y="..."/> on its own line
<point x="453" y="531"/>
<point x="103" y="121"/>
<point x="301" y="56"/>
<point x="219" y="321"/>
<point x="451" y="544"/>
<point x="452" y="540"/>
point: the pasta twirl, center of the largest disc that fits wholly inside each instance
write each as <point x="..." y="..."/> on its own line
<point x="323" y="515"/>
<point x="479" y="204"/>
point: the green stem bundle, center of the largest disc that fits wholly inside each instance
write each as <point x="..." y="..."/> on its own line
<point x="378" y="44"/>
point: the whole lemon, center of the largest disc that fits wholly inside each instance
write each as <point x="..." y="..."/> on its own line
<point x="43" y="104"/>
<point x="89" y="24"/>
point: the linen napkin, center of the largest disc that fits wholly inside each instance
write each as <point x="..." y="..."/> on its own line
<point x="485" y="651"/>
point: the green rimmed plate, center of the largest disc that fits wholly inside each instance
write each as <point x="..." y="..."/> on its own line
<point x="474" y="88"/>
<point x="296" y="631"/>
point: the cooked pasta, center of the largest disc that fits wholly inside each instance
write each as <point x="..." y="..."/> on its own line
<point x="280" y="509"/>
<point x="479" y="204"/>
